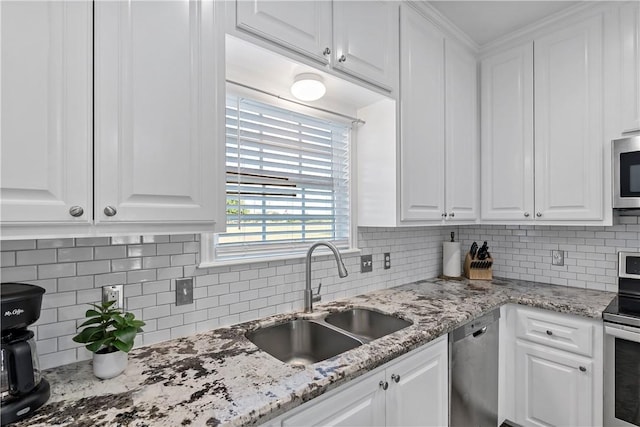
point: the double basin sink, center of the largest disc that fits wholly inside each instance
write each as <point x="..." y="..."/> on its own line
<point x="305" y="341"/>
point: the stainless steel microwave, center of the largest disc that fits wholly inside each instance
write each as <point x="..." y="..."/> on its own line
<point x="626" y="173"/>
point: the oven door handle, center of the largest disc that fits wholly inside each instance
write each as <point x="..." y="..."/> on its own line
<point x="622" y="332"/>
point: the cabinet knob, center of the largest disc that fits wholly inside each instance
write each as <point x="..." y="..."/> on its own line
<point x="326" y="51"/>
<point x="583" y="369"/>
<point x="383" y="385"/>
<point x="444" y="215"/>
<point x="342" y="58"/>
<point x="76" y="211"/>
<point x="549" y="332"/>
<point x="526" y="214"/>
<point x="538" y="214"/>
<point x="452" y="214"/>
<point x="395" y="378"/>
<point x="110" y="211"/>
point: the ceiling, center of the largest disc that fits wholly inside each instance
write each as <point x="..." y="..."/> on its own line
<point x="486" y="21"/>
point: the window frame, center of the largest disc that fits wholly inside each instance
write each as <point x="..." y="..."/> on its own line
<point x="207" y="240"/>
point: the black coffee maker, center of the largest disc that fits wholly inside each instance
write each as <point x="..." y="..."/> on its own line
<point x="23" y="389"/>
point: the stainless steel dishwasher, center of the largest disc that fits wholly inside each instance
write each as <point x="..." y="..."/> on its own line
<point x="473" y="371"/>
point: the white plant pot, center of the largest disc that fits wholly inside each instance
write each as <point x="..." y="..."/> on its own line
<point x="109" y="365"/>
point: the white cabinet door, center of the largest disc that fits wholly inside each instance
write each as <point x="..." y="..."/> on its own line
<point x="303" y="26"/>
<point x="569" y="123"/>
<point x="630" y="77"/>
<point x="158" y="90"/>
<point x="552" y="388"/>
<point x="366" y="40"/>
<point x="421" y="119"/>
<point x="461" y="134"/>
<point x="507" y="135"/>
<point x="360" y="404"/>
<point x="46" y="112"/>
<point x="418" y="388"/>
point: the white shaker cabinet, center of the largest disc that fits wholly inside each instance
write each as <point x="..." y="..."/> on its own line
<point x="462" y="146"/>
<point x="46" y="113"/>
<point x="422" y="103"/>
<point x="507" y="134"/>
<point x="302" y="26"/>
<point x="564" y="112"/>
<point x="569" y="136"/>
<point x="411" y="391"/>
<point x="158" y="95"/>
<point x="552" y="388"/>
<point x="630" y="65"/>
<point x="366" y="40"/>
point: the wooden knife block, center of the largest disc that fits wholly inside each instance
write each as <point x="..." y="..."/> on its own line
<point x="476" y="269"/>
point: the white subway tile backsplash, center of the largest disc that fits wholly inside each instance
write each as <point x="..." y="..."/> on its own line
<point x="225" y="295"/>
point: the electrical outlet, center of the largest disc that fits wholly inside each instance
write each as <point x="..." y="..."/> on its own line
<point x="557" y="257"/>
<point x="387" y="260"/>
<point x="366" y="263"/>
<point x="184" y="291"/>
<point x="114" y="293"/>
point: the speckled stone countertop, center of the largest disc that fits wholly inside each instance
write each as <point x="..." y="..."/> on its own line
<point x="221" y="378"/>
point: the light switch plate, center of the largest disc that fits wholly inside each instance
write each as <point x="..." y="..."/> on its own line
<point x="557" y="257"/>
<point x="366" y="263"/>
<point x="184" y="291"/>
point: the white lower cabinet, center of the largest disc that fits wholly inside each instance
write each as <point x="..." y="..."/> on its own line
<point x="552" y="368"/>
<point x="553" y="388"/>
<point x="410" y="391"/>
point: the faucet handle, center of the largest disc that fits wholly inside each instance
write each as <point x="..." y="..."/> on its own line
<point x="316" y="297"/>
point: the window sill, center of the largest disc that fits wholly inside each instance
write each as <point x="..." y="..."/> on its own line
<point x="266" y="258"/>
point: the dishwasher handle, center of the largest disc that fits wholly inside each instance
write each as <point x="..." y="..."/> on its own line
<point x="479" y="332"/>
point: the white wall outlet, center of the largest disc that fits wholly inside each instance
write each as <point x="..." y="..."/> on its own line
<point x="387" y="260"/>
<point x="557" y="257"/>
<point x="114" y="293"/>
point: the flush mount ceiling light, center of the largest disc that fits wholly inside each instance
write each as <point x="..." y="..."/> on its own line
<point x="308" y="87"/>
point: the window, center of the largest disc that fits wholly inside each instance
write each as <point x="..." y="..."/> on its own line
<point x="288" y="181"/>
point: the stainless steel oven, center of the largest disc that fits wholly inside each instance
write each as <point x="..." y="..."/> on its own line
<point x="622" y="346"/>
<point x="626" y="172"/>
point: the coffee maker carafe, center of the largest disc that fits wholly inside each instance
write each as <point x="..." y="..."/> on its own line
<point x="23" y="390"/>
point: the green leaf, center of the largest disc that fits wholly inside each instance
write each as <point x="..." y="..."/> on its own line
<point x="123" y="346"/>
<point x="91" y="322"/>
<point x="125" y="335"/>
<point x="92" y="313"/>
<point x="137" y="323"/>
<point x="97" y="345"/>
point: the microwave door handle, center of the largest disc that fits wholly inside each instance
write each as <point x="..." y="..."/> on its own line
<point x="622" y="333"/>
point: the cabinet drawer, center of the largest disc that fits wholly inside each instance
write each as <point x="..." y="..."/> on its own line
<point x="555" y="330"/>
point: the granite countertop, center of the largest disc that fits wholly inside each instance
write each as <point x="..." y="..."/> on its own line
<point x="221" y="378"/>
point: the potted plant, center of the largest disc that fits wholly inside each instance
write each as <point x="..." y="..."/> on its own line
<point x="109" y="334"/>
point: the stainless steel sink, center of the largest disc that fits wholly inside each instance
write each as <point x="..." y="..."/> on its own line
<point x="365" y="323"/>
<point x="301" y="342"/>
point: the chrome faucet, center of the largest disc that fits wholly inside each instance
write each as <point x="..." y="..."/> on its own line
<point x="309" y="297"/>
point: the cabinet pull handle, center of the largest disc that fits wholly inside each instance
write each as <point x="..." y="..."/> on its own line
<point x="76" y="211"/>
<point x="110" y="211"/>
<point x="326" y="51"/>
<point x="342" y="58"/>
<point x="549" y="332"/>
<point x="526" y="214"/>
<point x="395" y="378"/>
<point x="539" y="214"/>
<point x="384" y="385"/>
<point x="444" y="215"/>
<point x="583" y="369"/>
<point x="452" y="214"/>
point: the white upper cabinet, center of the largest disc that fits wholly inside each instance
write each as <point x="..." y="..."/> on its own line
<point x="421" y="118"/>
<point x="46" y="113"/>
<point x="569" y="122"/>
<point x="507" y="134"/>
<point x="462" y="156"/>
<point x="630" y="66"/>
<point x="301" y="26"/>
<point x="357" y="38"/>
<point x="158" y="94"/>
<point x="366" y="40"/>
<point x="567" y="170"/>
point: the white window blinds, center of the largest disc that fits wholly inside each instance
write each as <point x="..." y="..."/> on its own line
<point x="287" y="180"/>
